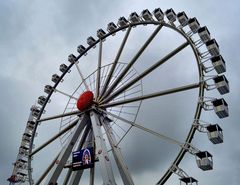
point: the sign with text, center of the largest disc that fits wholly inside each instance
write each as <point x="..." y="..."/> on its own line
<point x="83" y="159"/>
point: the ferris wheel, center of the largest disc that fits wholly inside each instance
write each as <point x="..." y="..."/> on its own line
<point x="97" y="98"/>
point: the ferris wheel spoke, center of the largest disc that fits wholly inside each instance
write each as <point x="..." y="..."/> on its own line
<point x="81" y="76"/>
<point x="126" y="78"/>
<point x="66" y="94"/>
<point x="45" y="173"/>
<point x="55" y="137"/>
<point x="123" y="169"/>
<point x="99" y="69"/>
<point x="152" y="95"/>
<point x="146" y="72"/>
<point x="152" y="132"/>
<point x="77" y="112"/>
<point x="116" y="61"/>
<point x="134" y="59"/>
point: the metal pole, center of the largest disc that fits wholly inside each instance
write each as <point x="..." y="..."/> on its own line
<point x="152" y="95"/>
<point x="47" y="170"/>
<point x="63" y="93"/>
<point x="78" y="174"/>
<point x="64" y="155"/>
<point x="116" y="61"/>
<point x="162" y="136"/>
<point x="54" y="137"/>
<point x="99" y="69"/>
<point x="102" y="153"/>
<point x="134" y="59"/>
<point x="61" y="116"/>
<point x="123" y="169"/>
<point x="81" y="75"/>
<point x="92" y="170"/>
<point x="146" y="72"/>
<point x="67" y="177"/>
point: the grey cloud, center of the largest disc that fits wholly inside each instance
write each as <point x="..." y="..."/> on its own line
<point x="36" y="37"/>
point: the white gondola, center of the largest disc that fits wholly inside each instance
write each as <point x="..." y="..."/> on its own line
<point x="21" y="164"/>
<point x="72" y="58"/>
<point x="55" y="78"/>
<point x="158" y="13"/>
<point x="22" y="161"/>
<point x="23" y="150"/>
<point x="30" y="125"/>
<point x="221" y="108"/>
<point x="63" y="67"/>
<point x="215" y="134"/>
<point x="101" y="33"/>
<point x="182" y="18"/>
<point x="188" y="180"/>
<point x="48" y="89"/>
<point x="171" y="15"/>
<point x="213" y="47"/>
<point x="35" y="111"/>
<point x="22" y="177"/>
<point x="26" y="137"/>
<point x="81" y="49"/>
<point x="146" y="15"/>
<point x="111" y="27"/>
<point x="219" y="64"/>
<point x="204" y="160"/>
<point x="193" y="24"/>
<point x="221" y="84"/>
<point x="134" y="18"/>
<point x="42" y="100"/>
<point x="122" y="21"/>
<point x="91" y="41"/>
<point x="204" y="34"/>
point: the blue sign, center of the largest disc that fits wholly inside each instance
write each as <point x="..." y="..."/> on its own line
<point x="83" y="159"/>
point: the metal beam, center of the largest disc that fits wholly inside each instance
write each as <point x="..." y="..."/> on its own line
<point x="109" y="77"/>
<point x="92" y="174"/>
<point x="99" y="69"/>
<point x="130" y="64"/>
<point x="67" y="177"/>
<point x="47" y="171"/>
<point x="122" y="167"/>
<point x="61" y="116"/>
<point x="162" y="136"/>
<point x="102" y="153"/>
<point x="152" y="95"/>
<point x="64" y="155"/>
<point x="146" y="72"/>
<point x="92" y="170"/>
<point x="81" y="75"/>
<point x="54" y="137"/>
<point x="65" y="94"/>
<point x="76" y="176"/>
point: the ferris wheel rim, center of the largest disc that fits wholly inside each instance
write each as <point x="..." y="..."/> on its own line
<point x="201" y="87"/>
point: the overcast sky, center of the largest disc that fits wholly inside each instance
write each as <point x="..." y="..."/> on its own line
<point x="36" y="37"/>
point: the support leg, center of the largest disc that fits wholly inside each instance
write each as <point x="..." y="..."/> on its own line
<point x="126" y="177"/>
<point x="102" y="153"/>
<point x="65" y="153"/>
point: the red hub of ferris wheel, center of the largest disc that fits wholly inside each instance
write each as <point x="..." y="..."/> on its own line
<point x="85" y="100"/>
